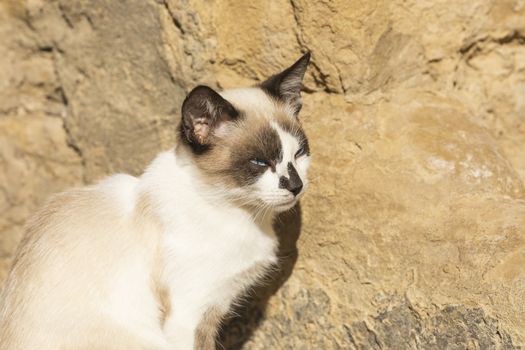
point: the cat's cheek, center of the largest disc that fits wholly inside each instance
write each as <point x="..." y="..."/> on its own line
<point x="267" y="182"/>
<point x="302" y="167"/>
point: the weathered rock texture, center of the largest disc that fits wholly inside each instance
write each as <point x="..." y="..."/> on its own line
<point x="412" y="235"/>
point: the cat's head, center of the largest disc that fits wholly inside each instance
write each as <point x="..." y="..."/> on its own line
<point x="249" y="141"/>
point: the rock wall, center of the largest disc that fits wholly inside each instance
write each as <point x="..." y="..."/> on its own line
<point x="412" y="235"/>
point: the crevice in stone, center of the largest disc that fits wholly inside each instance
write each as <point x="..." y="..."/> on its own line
<point x="64" y="16"/>
<point x="88" y="19"/>
<point x="349" y="335"/>
<point x="69" y="22"/>
<point x="373" y="335"/>
<point x="175" y="20"/>
<point x="61" y="93"/>
<point x="59" y="96"/>
<point x="297" y="24"/>
<point x="320" y="77"/>
<point x="70" y="141"/>
<point x="340" y="76"/>
<point x="45" y="48"/>
<point x="71" y="144"/>
<point x="472" y="49"/>
<point x="514" y="37"/>
<point x="8" y="111"/>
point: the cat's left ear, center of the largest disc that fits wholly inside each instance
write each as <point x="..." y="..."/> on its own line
<point x="286" y="86"/>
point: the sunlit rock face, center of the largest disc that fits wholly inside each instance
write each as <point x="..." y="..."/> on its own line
<point x="412" y="234"/>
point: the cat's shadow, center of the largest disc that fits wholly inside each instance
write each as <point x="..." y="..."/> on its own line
<point x="238" y="329"/>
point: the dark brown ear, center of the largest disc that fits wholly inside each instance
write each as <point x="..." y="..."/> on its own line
<point x="203" y="111"/>
<point x="286" y="86"/>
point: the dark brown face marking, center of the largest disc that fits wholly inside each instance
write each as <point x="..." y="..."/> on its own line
<point x="223" y="134"/>
<point x="293" y="182"/>
<point x="228" y="159"/>
<point x="262" y="144"/>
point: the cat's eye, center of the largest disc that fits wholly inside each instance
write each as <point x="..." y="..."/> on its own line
<point x="300" y="152"/>
<point x="259" y="162"/>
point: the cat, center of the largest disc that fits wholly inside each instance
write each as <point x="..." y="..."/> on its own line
<point x="156" y="261"/>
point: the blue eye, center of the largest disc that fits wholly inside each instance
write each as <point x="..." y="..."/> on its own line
<point x="300" y="152"/>
<point x="259" y="162"/>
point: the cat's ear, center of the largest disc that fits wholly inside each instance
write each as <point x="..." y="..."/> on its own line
<point x="286" y="86"/>
<point x="203" y="111"/>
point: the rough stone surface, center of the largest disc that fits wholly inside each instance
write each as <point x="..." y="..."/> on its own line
<point x="412" y="235"/>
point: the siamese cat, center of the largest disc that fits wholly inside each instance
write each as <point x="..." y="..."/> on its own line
<point x="156" y="261"/>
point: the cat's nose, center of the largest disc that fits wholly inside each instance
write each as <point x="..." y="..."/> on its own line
<point x="296" y="189"/>
<point x="292" y="183"/>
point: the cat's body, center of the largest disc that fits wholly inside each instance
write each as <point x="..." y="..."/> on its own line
<point x="155" y="262"/>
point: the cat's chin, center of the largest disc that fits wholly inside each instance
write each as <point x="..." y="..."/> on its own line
<point x="285" y="207"/>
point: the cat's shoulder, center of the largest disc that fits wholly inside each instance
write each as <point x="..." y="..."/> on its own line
<point x="114" y="195"/>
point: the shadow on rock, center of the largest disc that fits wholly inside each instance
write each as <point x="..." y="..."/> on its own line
<point x="239" y="328"/>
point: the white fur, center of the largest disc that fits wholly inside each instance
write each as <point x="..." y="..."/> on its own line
<point x="268" y="184"/>
<point x="254" y="100"/>
<point x="122" y="188"/>
<point x="207" y="244"/>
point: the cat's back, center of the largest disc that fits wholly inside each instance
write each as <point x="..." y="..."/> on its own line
<point x="73" y="222"/>
<point x="63" y="278"/>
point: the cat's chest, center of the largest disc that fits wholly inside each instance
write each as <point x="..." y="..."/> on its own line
<point x="216" y="251"/>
